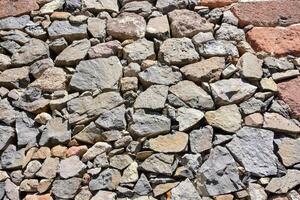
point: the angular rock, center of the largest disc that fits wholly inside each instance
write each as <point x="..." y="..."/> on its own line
<point x="192" y="95"/>
<point x="96" y="149"/>
<point x="38" y="67"/>
<point x="221" y="169"/>
<point x="145" y="125"/>
<point x="280" y="76"/>
<point x="96" y="6"/>
<point x="186" y="23"/>
<point x="143" y="8"/>
<point x="253" y="148"/>
<point x="284" y="41"/>
<point x="139" y="50"/>
<point x="208" y="70"/>
<point x="231" y="91"/>
<point x="120" y="161"/>
<point x="166" y="6"/>
<point x="52" y="6"/>
<point x="113" y="119"/>
<point x="217" y="3"/>
<point x="108" y="71"/>
<point x="251" y="66"/>
<point x="126" y="26"/>
<point x="256" y="191"/>
<point x="153" y="98"/>
<point x="5" y="62"/>
<point x="230" y="32"/>
<point x="105" y="50"/>
<point x="185" y="190"/>
<point x="281" y="185"/>
<point x="278" y="123"/>
<point x="158" y="27"/>
<point x="142" y="186"/>
<point x="13" y="22"/>
<point x="58" y="45"/>
<point x="270" y="13"/>
<point x="74" y="53"/>
<point x="220" y="48"/>
<point x="130" y="174"/>
<point x="277" y="64"/>
<point x="201" y="139"/>
<point x="26" y="132"/>
<point x="51" y="80"/>
<point x="171" y="143"/>
<point x="288" y="93"/>
<point x="15" y="78"/>
<point x="158" y="163"/>
<point x="32" y="168"/>
<point x="15" y="35"/>
<point x="163" y="188"/>
<point x="64" y="29"/>
<point x="8" y="114"/>
<point x="188" y="118"/>
<point x="227" y="118"/>
<point x="49" y="168"/>
<point x="6" y="135"/>
<point x="104" y="195"/>
<point x="12" y="158"/>
<point x="67" y="188"/>
<point x="15" y="8"/>
<point x="177" y="51"/>
<point x="11" y="190"/>
<point x="287" y="150"/>
<point x="108" y="179"/>
<point x="33" y="50"/>
<point x="56" y="132"/>
<point x="159" y="75"/>
<point x="70" y="167"/>
<point x="97" y="27"/>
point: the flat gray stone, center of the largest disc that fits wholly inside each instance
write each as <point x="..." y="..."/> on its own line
<point x="6" y="135"/>
<point x="201" y="139"/>
<point x="66" y="189"/>
<point x="139" y="50"/>
<point x="70" y="167"/>
<point x="14" y="22"/>
<point x="12" y="158"/>
<point x="107" y="179"/>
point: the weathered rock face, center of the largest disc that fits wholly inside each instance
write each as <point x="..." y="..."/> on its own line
<point x="158" y="27"/>
<point x="271" y="13"/>
<point x="225" y="181"/>
<point x="254" y="149"/>
<point x="13" y="8"/>
<point x="217" y="3"/>
<point x="139" y="50"/>
<point x="101" y="5"/>
<point x="108" y="71"/>
<point x="283" y="41"/>
<point x="287" y="151"/>
<point x="285" y="183"/>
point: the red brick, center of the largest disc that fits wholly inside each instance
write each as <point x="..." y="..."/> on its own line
<point x="268" y="13"/>
<point x="16" y="7"/>
<point x="289" y="92"/>
<point x="278" y="41"/>
<point x="217" y="3"/>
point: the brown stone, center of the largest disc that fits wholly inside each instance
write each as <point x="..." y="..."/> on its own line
<point x="289" y="93"/>
<point x="217" y="3"/>
<point x="38" y="197"/>
<point x="224" y="197"/>
<point x="16" y="7"/>
<point x="76" y="150"/>
<point x="270" y="13"/>
<point x="278" y="41"/>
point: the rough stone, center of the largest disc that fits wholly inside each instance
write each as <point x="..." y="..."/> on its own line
<point x="71" y="167"/>
<point x="256" y="191"/>
<point x="170" y="5"/>
<point x="95" y="150"/>
<point x="107" y="179"/>
<point x="67" y="188"/>
<point x="104" y="195"/>
<point x="287" y="150"/>
<point x="192" y="95"/>
<point x="185" y="190"/>
<point x="153" y="98"/>
<point x="220" y="48"/>
<point x="227" y="118"/>
<point x="15" y="78"/>
<point x="49" y="168"/>
<point x="201" y="139"/>
<point x="230" y="32"/>
<point x="217" y="3"/>
<point x="120" y="161"/>
<point x="178" y="51"/>
<point x="126" y="26"/>
<point x="231" y="91"/>
<point x="66" y="30"/>
<point x="108" y="71"/>
<point x="186" y="23"/>
<point x="208" y="70"/>
<point x="285" y="183"/>
<point x="163" y="188"/>
<point x="97" y="28"/>
<point x="221" y="169"/>
<point x="254" y="149"/>
<point x="105" y="50"/>
<point x="188" y="118"/>
<point x="6" y="135"/>
<point x="284" y="41"/>
<point x="13" y="22"/>
<point x="142" y="186"/>
<point x="278" y="123"/>
<point x="251" y="67"/>
<point x="271" y="13"/>
<point x="159" y="75"/>
<point x="130" y="174"/>
<point x="143" y="8"/>
<point x="12" y="158"/>
<point x="38" y="67"/>
<point x="52" y="6"/>
<point x="34" y="50"/>
<point x="14" y="8"/>
<point x="144" y="125"/>
<point x="8" y="114"/>
<point x="158" y="27"/>
<point x="139" y="50"/>
<point x="288" y="93"/>
<point x="5" y="62"/>
<point x="96" y="6"/>
<point x="112" y="119"/>
<point x="158" y="163"/>
<point x="171" y="143"/>
<point x="73" y="54"/>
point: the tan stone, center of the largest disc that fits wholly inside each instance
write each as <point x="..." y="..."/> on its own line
<point x="216" y="3"/>
<point x="255" y="120"/>
<point x="278" y="123"/>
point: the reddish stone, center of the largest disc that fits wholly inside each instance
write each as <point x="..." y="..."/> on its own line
<point x="16" y="7"/>
<point x="76" y="150"/>
<point x="224" y="197"/>
<point x="289" y="93"/>
<point x="217" y="3"/>
<point x="38" y="197"/>
<point x="268" y="13"/>
<point x="278" y="41"/>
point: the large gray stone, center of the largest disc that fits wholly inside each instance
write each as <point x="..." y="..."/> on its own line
<point x="139" y="50"/>
<point x="96" y="6"/>
<point x="112" y="119"/>
<point x="158" y="163"/>
<point x="70" y="167"/>
<point x="12" y="158"/>
<point x="100" y="73"/>
<point x="14" y="22"/>
<point x="108" y="179"/>
<point x="6" y="135"/>
<point x="253" y="148"/>
<point x="26" y="130"/>
<point x="201" y="139"/>
<point x="66" y="189"/>
<point x="185" y="190"/>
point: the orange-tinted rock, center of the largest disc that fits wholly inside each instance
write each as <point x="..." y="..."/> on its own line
<point x="16" y="7"/>
<point x="38" y="197"/>
<point x="278" y="41"/>
<point x="76" y="150"/>
<point x="217" y="3"/>
<point x="224" y="197"/>
<point x="268" y="13"/>
<point x="289" y="93"/>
